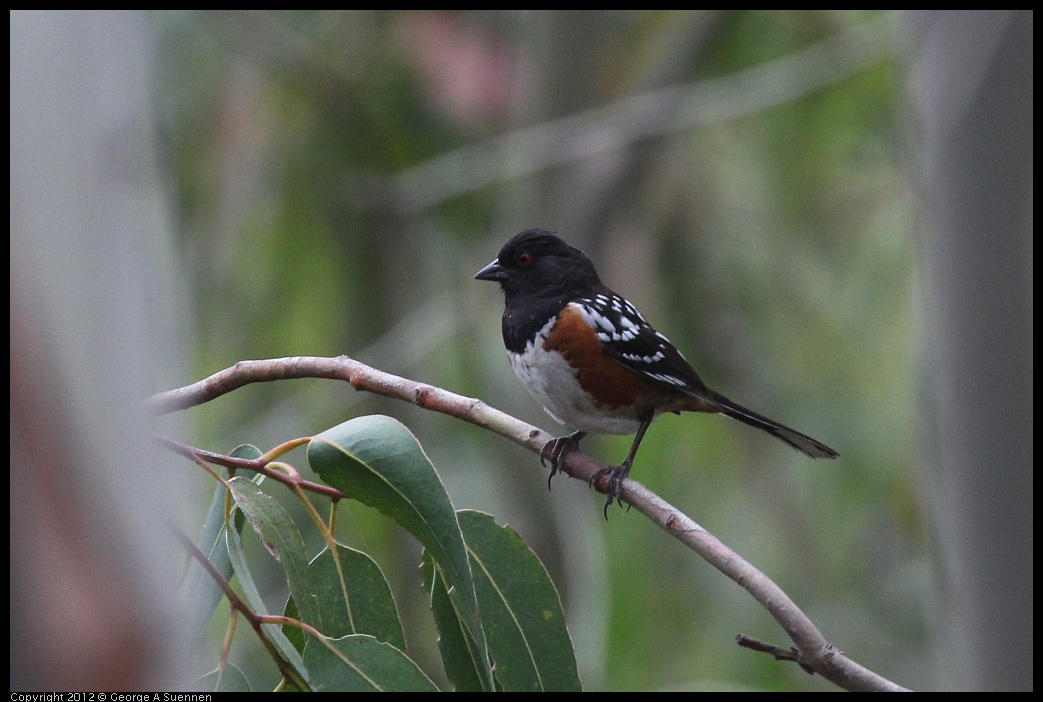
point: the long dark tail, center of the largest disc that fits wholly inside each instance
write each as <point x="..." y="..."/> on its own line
<point x="803" y="443"/>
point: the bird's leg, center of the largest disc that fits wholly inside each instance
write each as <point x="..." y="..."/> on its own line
<point x="554" y="449"/>
<point x="614" y="484"/>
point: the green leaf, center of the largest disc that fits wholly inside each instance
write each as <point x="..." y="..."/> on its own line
<point x="253" y="598"/>
<point x="372" y="608"/>
<point x="454" y="645"/>
<point x="363" y="664"/>
<point x="279" y="535"/>
<point x="361" y="603"/>
<point x="378" y="462"/>
<point x="521" y="610"/>
<point x="294" y="633"/>
<point x="201" y="593"/>
<point x="249" y="452"/>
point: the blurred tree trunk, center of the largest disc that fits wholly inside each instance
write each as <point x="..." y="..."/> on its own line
<point x="93" y="331"/>
<point x="972" y="89"/>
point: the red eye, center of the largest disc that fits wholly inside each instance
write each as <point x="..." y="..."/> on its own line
<point x="524" y="259"/>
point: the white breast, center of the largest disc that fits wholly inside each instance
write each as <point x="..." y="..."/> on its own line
<point x="553" y="383"/>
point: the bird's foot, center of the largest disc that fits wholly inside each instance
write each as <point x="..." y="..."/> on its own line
<point x="555" y="449"/>
<point x="613" y="484"/>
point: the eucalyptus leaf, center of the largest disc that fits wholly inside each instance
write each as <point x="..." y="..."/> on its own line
<point x="377" y="461"/>
<point x="360" y="663"/>
<point x="523" y="616"/>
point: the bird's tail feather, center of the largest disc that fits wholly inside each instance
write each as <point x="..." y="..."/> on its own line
<point x="802" y="442"/>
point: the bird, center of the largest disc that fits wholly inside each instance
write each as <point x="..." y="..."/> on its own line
<point x="592" y="360"/>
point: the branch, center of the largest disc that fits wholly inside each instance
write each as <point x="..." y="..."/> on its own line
<point x="813" y="651"/>
<point x="256" y="621"/>
<point x="257" y="465"/>
<point x="780" y="654"/>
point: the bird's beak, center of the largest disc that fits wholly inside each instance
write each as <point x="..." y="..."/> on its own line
<point x="494" y="271"/>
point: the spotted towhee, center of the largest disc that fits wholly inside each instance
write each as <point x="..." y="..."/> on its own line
<point x="592" y="360"/>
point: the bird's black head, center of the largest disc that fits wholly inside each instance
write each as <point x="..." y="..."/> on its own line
<point x="538" y="263"/>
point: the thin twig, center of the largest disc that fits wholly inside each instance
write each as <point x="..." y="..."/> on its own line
<point x="237" y="605"/>
<point x="256" y="465"/>
<point x="780" y="654"/>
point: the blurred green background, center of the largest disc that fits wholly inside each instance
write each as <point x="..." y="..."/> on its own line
<point x="741" y="176"/>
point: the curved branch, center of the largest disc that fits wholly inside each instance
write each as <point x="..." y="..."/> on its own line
<point x="814" y="652"/>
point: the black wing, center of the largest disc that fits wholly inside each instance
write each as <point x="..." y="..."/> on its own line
<point x="633" y="342"/>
